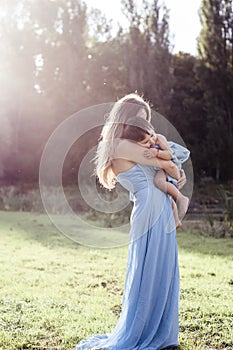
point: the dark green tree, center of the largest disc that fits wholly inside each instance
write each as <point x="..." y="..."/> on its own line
<point x="216" y="78"/>
<point x="187" y="111"/>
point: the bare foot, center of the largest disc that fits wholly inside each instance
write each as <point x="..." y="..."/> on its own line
<point x="178" y="224"/>
<point x="182" y="205"/>
<point x="175" y="214"/>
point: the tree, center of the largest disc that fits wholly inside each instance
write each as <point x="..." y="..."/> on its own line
<point x="215" y="72"/>
<point x="106" y="72"/>
<point x="187" y="111"/>
<point x="147" y="52"/>
<point x="44" y="54"/>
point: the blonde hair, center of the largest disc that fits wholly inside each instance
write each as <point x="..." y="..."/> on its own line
<point x="124" y="109"/>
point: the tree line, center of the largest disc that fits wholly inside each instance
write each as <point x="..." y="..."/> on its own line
<point x="58" y="57"/>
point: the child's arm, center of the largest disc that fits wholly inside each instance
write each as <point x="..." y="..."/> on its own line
<point x="163" y="151"/>
<point x="169" y="167"/>
<point x="161" y="141"/>
<point x="158" y="153"/>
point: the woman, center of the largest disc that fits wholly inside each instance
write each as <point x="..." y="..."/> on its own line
<point x="149" y="317"/>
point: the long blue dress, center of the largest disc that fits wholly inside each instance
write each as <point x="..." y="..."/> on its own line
<point x="149" y="317"/>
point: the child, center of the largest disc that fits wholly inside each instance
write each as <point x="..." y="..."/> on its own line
<point x="142" y="132"/>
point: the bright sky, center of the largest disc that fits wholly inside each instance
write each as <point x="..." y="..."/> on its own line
<point x="184" y="24"/>
<point x="184" y="20"/>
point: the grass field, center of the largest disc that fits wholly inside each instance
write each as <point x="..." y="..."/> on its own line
<point x="54" y="292"/>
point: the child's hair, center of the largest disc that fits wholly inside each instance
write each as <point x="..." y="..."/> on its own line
<point x="136" y="129"/>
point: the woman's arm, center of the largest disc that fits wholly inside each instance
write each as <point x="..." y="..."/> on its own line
<point x="135" y="153"/>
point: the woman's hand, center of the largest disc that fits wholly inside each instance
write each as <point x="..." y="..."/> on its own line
<point x="182" y="180"/>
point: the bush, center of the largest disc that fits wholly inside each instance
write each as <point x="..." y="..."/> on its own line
<point x="227" y="196"/>
<point x="19" y="199"/>
<point x="23" y="198"/>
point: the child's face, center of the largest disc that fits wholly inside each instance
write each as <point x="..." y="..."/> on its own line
<point x="148" y="141"/>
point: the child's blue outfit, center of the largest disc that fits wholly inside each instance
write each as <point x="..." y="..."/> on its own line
<point x="179" y="155"/>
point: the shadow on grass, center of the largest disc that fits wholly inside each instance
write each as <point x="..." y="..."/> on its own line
<point x="34" y="226"/>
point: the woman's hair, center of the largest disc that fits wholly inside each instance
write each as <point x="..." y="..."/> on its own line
<point x="124" y="109"/>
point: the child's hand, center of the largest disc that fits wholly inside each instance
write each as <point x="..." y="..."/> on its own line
<point x="150" y="153"/>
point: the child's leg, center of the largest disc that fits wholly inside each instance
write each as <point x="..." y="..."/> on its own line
<point x="175" y="214"/>
<point x="167" y="187"/>
<point x="161" y="182"/>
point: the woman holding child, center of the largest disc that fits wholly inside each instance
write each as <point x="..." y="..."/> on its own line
<point x="149" y="316"/>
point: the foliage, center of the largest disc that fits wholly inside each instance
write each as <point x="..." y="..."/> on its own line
<point x="216" y="78"/>
<point x="147" y="52"/>
<point x="227" y="196"/>
<point x="28" y="199"/>
<point x="42" y="55"/>
<point x="62" y="57"/>
<point x="187" y="112"/>
<point x="15" y="199"/>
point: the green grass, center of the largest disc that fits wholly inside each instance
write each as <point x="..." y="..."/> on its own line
<point x="54" y="292"/>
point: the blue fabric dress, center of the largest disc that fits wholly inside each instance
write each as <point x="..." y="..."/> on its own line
<point x="149" y="317"/>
